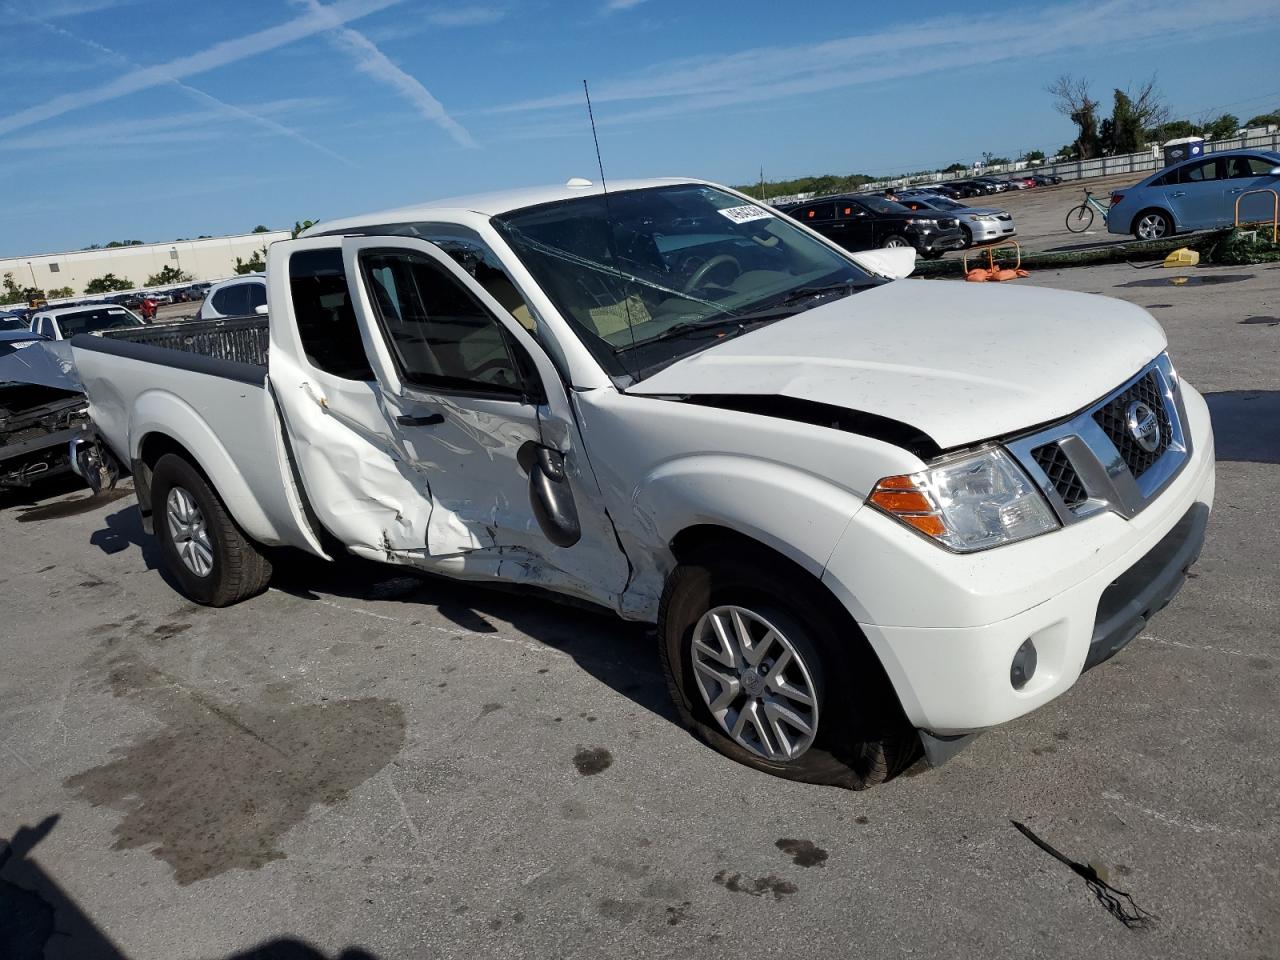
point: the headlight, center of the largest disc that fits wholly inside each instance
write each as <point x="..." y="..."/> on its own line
<point x="985" y="218"/>
<point x="922" y="224"/>
<point x="970" y="503"/>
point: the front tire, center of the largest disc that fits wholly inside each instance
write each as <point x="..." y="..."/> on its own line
<point x="210" y="558"/>
<point x="894" y="242"/>
<point x="765" y="667"/>
<point x="1152" y="225"/>
<point x="1080" y="219"/>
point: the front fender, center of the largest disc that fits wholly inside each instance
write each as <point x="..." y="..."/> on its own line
<point x="799" y="514"/>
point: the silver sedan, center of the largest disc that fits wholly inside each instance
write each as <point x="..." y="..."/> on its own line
<point x="981" y="225"/>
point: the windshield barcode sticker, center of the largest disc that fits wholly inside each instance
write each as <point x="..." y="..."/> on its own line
<point x="746" y="213"/>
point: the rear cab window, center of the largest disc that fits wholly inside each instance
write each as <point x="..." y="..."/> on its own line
<point x="325" y="318"/>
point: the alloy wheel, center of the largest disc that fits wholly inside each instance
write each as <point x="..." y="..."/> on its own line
<point x="755" y="682"/>
<point x="1152" y="227"/>
<point x="187" y="530"/>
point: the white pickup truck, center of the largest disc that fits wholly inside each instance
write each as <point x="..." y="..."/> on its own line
<point x="866" y="515"/>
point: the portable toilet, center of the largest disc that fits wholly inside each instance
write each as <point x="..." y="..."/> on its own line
<point x="1184" y="148"/>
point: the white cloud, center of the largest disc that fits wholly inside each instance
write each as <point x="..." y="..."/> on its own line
<point x="615" y="5"/>
<point x="57" y="9"/>
<point x="374" y="63"/>
<point x="466" y="16"/>
<point x="218" y="55"/>
<point x="925" y="47"/>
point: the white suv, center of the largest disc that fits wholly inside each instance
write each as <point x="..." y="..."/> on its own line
<point x="240" y="297"/>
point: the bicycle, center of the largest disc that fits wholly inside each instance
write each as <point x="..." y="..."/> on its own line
<point x="1080" y="219"/>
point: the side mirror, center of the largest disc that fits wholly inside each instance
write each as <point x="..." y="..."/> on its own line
<point x="260" y="309"/>
<point x="550" y="495"/>
<point x="1274" y="171"/>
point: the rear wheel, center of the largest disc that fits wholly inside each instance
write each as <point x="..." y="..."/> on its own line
<point x="210" y="557"/>
<point x="1080" y="219"/>
<point x="769" y="671"/>
<point x="1152" y="225"/>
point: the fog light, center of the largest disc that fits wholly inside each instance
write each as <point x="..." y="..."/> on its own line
<point x="1024" y="665"/>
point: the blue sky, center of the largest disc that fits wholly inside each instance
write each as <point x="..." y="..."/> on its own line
<point x="157" y="119"/>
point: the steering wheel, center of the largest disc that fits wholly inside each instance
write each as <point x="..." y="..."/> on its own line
<point x="700" y="275"/>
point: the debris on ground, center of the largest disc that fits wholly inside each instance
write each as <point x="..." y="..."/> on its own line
<point x="1117" y="903"/>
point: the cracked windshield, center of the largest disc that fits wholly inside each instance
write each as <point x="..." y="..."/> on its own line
<point x="648" y="276"/>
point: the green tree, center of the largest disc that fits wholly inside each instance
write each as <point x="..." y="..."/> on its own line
<point x="108" y="283"/>
<point x="955" y="168"/>
<point x="261" y="229"/>
<point x="16" y="294"/>
<point x="1122" y="133"/>
<point x="124" y="243"/>
<point x="1034" y="156"/>
<point x="1264" y="120"/>
<point x="1222" y="128"/>
<point x="60" y="292"/>
<point x="1072" y="100"/>
<point x="255" y="264"/>
<point x="300" y="225"/>
<point x="170" y="274"/>
<point x="1172" y="130"/>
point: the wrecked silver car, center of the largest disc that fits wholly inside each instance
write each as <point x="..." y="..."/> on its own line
<point x="42" y="408"/>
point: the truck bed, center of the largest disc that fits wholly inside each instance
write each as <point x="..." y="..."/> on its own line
<point x="203" y="386"/>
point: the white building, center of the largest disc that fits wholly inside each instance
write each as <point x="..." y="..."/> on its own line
<point x="211" y="259"/>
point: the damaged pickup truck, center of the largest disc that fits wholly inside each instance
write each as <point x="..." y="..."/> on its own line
<point x="41" y="410"/>
<point x="866" y="515"/>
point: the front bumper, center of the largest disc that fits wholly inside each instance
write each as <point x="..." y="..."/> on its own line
<point x="946" y="626"/>
<point x="938" y="242"/>
<point x="37" y="458"/>
<point x="990" y="232"/>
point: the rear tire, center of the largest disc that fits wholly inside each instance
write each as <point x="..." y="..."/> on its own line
<point x="1080" y="219"/>
<point x="1152" y="225"/>
<point x="212" y="560"/>
<point x="860" y="736"/>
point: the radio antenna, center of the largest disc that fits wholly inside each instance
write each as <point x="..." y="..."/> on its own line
<point x="599" y="163"/>
<point x="608" y="213"/>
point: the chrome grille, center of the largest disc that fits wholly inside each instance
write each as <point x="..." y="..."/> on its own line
<point x="1061" y="474"/>
<point x="1113" y="419"/>
<point x="1091" y="462"/>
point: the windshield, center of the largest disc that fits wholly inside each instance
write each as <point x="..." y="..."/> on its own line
<point x="942" y="203"/>
<point x="92" y="321"/>
<point x="648" y="276"/>
<point x="9" y="322"/>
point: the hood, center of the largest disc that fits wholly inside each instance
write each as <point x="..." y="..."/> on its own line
<point x="961" y="362"/>
<point x="982" y="211"/>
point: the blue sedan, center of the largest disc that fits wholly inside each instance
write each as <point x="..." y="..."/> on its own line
<point x="1197" y="194"/>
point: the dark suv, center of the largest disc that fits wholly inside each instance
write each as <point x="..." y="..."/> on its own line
<point x="866" y="222"/>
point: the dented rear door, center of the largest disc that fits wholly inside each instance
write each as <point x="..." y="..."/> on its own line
<point x="362" y="486"/>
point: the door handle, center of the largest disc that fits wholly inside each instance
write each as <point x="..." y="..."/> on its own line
<point x="1236" y="190"/>
<point x="426" y="420"/>
<point x="1179" y="193"/>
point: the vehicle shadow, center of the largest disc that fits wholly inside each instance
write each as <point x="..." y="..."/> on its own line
<point x="122" y="530"/>
<point x="618" y="653"/>
<point x="34" y="909"/>
<point x="1246" y="425"/>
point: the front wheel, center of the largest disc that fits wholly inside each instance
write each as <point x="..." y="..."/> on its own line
<point x="1080" y="218"/>
<point x="767" y="669"/>
<point x="211" y="559"/>
<point x="1152" y="225"/>
<point x="894" y="242"/>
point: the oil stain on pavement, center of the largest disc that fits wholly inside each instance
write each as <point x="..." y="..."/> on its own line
<point x="73" y="508"/>
<point x="803" y="853"/>
<point x="221" y="783"/>
<point x="592" y="761"/>
<point x="759" y="887"/>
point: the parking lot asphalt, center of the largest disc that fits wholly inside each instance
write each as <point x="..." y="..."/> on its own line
<point x="1041" y="213"/>
<point x="362" y="758"/>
